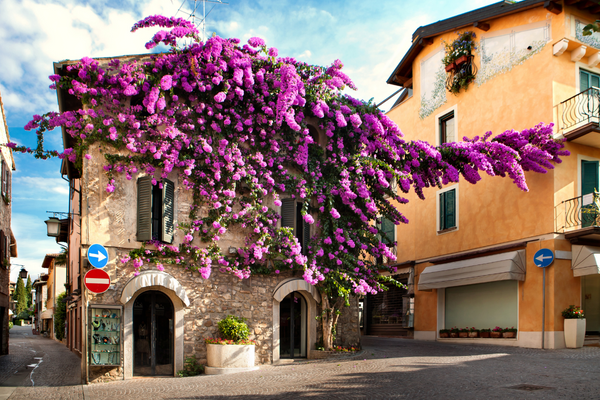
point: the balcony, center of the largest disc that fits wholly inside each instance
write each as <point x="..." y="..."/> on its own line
<point x="581" y="219"/>
<point x="580" y="116"/>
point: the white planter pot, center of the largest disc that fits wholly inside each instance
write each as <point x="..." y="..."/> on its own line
<point x="574" y="333"/>
<point x="229" y="359"/>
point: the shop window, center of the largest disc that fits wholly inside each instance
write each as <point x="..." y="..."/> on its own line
<point x="155" y="210"/>
<point x="447" y="205"/>
<point x="291" y="216"/>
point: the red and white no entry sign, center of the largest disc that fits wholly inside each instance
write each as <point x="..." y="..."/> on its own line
<point x="97" y="281"/>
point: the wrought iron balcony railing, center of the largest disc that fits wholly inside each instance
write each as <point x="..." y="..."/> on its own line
<point x="581" y="109"/>
<point x="582" y="211"/>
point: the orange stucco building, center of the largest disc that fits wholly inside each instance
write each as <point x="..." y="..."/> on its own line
<point x="471" y="247"/>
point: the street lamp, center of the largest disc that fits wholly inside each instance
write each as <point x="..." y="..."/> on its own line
<point x="23" y="273"/>
<point x="53" y="225"/>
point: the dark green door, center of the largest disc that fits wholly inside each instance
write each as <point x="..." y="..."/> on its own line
<point x="589" y="184"/>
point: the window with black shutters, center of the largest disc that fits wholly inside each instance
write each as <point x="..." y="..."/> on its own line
<point x="291" y="216"/>
<point x="447" y="209"/>
<point x="155" y="210"/>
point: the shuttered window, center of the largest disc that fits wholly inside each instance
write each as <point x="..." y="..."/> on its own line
<point x="155" y="210"/>
<point x="589" y="185"/>
<point x="291" y="216"/>
<point x="447" y="205"/>
<point x="3" y="177"/>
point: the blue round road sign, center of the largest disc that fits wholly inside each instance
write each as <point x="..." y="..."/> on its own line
<point x="543" y="258"/>
<point x="97" y="256"/>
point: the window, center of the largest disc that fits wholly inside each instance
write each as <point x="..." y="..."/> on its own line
<point x="447" y="203"/>
<point x="155" y="210"/>
<point x="447" y="128"/>
<point x="587" y="80"/>
<point x="589" y="185"/>
<point x="388" y="236"/>
<point x="291" y="216"/>
<point x="5" y="179"/>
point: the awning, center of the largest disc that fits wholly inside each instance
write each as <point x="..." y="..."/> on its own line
<point x="585" y="260"/>
<point x="47" y="314"/>
<point x="498" y="267"/>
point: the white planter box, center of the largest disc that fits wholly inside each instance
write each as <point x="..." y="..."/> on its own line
<point x="574" y="333"/>
<point x="230" y="358"/>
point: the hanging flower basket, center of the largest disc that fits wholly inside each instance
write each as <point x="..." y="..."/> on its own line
<point x="450" y="67"/>
<point x="461" y="60"/>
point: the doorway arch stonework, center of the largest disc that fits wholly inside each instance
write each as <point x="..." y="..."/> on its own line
<point x="167" y="284"/>
<point x="312" y="297"/>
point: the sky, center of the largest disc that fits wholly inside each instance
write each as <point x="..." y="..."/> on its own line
<point x="370" y="37"/>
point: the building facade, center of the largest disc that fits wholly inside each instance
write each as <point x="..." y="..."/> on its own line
<point x="54" y="286"/>
<point x="472" y="246"/>
<point x="8" y="245"/>
<point x="147" y="324"/>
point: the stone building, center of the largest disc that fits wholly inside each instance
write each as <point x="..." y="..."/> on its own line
<point x="150" y="323"/>
<point x="8" y="245"/>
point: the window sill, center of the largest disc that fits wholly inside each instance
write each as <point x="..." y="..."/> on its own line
<point x="454" y="228"/>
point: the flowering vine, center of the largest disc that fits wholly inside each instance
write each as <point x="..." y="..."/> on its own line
<point x="243" y="127"/>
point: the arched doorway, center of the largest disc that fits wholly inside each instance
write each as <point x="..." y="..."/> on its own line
<point x="153" y="333"/>
<point x="292" y="325"/>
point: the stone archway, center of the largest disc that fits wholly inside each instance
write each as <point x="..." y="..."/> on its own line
<point x="312" y="297"/>
<point x="162" y="282"/>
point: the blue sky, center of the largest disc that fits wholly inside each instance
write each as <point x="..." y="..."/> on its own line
<point x="369" y="37"/>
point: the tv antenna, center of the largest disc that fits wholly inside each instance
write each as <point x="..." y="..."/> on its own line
<point x="193" y="16"/>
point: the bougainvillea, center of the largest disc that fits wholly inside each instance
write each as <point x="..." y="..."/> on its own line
<point x="233" y="121"/>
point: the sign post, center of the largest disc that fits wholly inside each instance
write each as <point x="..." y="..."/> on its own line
<point x="543" y="258"/>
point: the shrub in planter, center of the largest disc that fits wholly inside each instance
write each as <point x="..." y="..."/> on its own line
<point x="575" y="326"/>
<point x="234" y="352"/>
<point x="473" y="332"/>
<point x="453" y="332"/>
<point x="496" y="332"/>
<point x="463" y="332"/>
<point x="444" y="333"/>
<point x="509" y="333"/>
<point x="485" y="333"/>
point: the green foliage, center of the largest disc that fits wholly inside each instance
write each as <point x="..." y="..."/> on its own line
<point x="234" y="328"/>
<point x="61" y="259"/>
<point x="573" y="312"/>
<point x="60" y="313"/>
<point x="589" y="29"/>
<point x="10" y="324"/>
<point x="191" y="367"/>
<point x="20" y="296"/>
<point x="28" y="289"/>
<point x="23" y="315"/>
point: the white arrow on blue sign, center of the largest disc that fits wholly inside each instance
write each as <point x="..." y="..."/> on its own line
<point x="543" y="258"/>
<point x="97" y="256"/>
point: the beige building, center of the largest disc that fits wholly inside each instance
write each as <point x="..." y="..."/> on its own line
<point x="55" y="285"/>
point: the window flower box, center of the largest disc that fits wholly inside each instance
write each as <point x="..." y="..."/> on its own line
<point x="450" y="67"/>
<point x="461" y="60"/>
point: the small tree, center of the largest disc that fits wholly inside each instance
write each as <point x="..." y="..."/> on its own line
<point x="60" y="313"/>
<point x="28" y="289"/>
<point x="21" y="296"/>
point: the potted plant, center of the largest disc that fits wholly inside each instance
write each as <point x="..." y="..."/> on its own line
<point x="574" y="327"/>
<point x="463" y="332"/>
<point x="458" y="60"/>
<point x="485" y="333"/>
<point x="454" y="332"/>
<point x="496" y="332"/>
<point x="444" y="333"/>
<point x="233" y="352"/>
<point x="509" y="333"/>
<point x="473" y="332"/>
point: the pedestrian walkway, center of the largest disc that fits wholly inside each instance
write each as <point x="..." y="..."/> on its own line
<point x="386" y="368"/>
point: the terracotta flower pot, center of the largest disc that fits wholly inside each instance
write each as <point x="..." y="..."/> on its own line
<point x="444" y="335"/>
<point x="484" y="334"/>
<point x="450" y="67"/>
<point x="509" y="335"/>
<point x="461" y="60"/>
<point x="453" y="334"/>
<point x="495" y="334"/>
<point x="473" y="334"/>
<point x="463" y="334"/>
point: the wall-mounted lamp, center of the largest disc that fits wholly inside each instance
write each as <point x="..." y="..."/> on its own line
<point x="53" y="226"/>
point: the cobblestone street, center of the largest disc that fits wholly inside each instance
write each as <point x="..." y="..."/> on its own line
<point x="387" y="368"/>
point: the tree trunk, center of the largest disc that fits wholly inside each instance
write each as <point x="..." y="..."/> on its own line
<point x="329" y="319"/>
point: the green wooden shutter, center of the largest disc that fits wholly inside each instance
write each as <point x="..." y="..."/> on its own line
<point x="306" y="234"/>
<point x="589" y="184"/>
<point x="448" y="209"/>
<point x="288" y="214"/>
<point x="144" y="209"/>
<point x="584" y="83"/>
<point x="388" y="227"/>
<point x="168" y="212"/>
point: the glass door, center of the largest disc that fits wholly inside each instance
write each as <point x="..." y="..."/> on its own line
<point x="153" y="319"/>
<point x="292" y="326"/>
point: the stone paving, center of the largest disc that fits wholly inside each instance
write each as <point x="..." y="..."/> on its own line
<point x="386" y="368"/>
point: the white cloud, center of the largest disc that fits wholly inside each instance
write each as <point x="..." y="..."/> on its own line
<point x="41" y="185"/>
